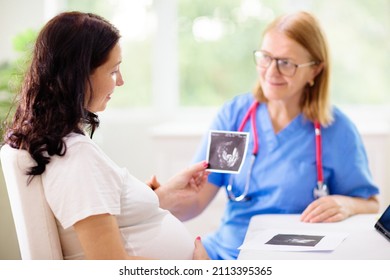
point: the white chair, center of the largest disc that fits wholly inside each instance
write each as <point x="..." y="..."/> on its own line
<point x="35" y="224"/>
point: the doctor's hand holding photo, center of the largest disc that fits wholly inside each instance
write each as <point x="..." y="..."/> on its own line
<point x="304" y="155"/>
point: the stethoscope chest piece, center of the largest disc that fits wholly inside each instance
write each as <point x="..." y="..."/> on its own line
<point x="321" y="190"/>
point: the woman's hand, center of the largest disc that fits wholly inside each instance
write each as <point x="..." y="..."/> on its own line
<point x="153" y="183"/>
<point x="199" y="251"/>
<point x="190" y="180"/>
<point x="335" y="208"/>
<point x="180" y="194"/>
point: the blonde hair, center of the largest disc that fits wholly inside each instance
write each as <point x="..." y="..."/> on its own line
<point x="304" y="29"/>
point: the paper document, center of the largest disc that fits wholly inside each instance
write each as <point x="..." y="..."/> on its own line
<point x="293" y="240"/>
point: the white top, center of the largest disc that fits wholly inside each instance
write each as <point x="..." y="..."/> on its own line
<point x="87" y="182"/>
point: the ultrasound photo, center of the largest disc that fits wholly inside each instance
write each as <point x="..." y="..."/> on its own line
<point x="295" y="240"/>
<point x="226" y="151"/>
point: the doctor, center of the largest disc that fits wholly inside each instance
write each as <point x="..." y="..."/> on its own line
<point x="304" y="156"/>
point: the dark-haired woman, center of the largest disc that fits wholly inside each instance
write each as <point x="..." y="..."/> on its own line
<point x="103" y="212"/>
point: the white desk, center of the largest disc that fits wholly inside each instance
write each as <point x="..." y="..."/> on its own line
<point x="362" y="243"/>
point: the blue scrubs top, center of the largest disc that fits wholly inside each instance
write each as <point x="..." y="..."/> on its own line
<point x="284" y="174"/>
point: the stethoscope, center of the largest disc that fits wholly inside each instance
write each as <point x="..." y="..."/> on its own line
<point x="320" y="189"/>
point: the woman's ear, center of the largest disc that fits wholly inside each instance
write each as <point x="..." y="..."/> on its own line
<point x="317" y="69"/>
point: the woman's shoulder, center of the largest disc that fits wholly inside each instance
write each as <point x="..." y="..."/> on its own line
<point x="76" y="139"/>
<point x="342" y="125"/>
<point x="241" y="100"/>
<point x="80" y="145"/>
<point x="238" y="104"/>
<point x="81" y="149"/>
<point x="233" y="110"/>
<point x="341" y="119"/>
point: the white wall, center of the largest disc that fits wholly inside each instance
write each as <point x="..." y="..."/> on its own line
<point x="169" y="144"/>
<point x="163" y="146"/>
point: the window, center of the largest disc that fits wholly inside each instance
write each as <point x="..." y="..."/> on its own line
<point x="136" y="21"/>
<point x="199" y="53"/>
<point x="216" y="39"/>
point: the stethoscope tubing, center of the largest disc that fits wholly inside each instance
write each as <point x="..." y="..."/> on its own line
<point x="319" y="190"/>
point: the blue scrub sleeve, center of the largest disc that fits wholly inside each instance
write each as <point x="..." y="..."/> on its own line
<point x="352" y="175"/>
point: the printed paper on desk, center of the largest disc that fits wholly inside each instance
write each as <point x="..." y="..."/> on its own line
<point x="271" y="240"/>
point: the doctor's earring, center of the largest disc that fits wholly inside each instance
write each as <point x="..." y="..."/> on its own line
<point x="311" y="83"/>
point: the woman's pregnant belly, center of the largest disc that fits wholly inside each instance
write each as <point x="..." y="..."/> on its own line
<point x="161" y="237"/>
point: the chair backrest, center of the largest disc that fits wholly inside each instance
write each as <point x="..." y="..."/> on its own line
<point x="35" y="224"/>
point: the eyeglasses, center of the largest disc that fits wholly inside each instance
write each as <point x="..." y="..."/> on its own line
<point x="284" y="66"/>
